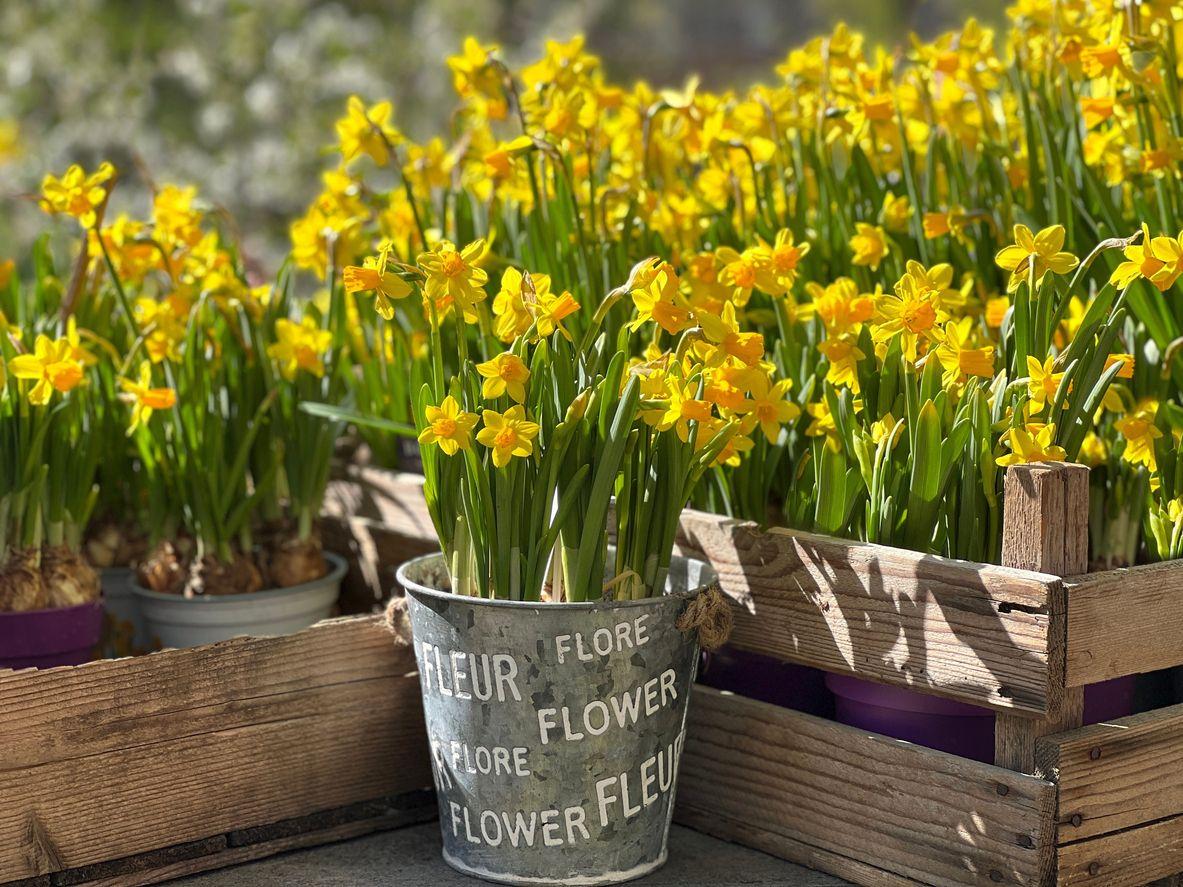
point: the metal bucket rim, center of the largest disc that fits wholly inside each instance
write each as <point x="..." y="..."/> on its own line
<point x="601" y="880"/>
<point x="439" y="593"/>
<point x="337" y="568"/>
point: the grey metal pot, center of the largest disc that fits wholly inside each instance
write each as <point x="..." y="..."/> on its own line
<point x="179" y="621"/>
<point x="555" y="729"/>
<point x="123" y="623"/>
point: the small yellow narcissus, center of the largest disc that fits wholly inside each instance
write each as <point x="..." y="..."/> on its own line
<point x="1140" y="434"/>
<point x="725" y="338"/>
<point x="76" y="193"/>
<point x="869" y="245"/>
<point x="144" y="397"/>
<point x="448" y="426"/>
<point x="1043" y="382"/>
<point x="1158" y="260"/>
<point x="507" y="434"/>
<point x="453" y="276"/>
<point x="960" y="359"/>
<point x="505" y="372"/>
<point x="300" y="346"/>
<point x="549" y="312"/>
<point x="51" y="365"/>
<point x="1031" y="444"/>
<point x="660" y="302"/>
<point x="372" y="276"/>
<point x="770" y="406"/>
<point x="367" y="131"/>
<point x="683" y="408"/>
<point x="1035" y="254"/>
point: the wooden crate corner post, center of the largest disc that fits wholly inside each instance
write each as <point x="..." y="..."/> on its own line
<point x="1044" y="528"/>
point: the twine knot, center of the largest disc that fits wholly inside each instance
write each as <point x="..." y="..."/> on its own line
<point x="398" y="621"/>
<point x="710" y="615"/>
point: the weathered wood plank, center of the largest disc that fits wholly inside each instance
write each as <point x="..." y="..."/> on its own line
<point x="202" y="856"/>
<point x="785" y="847"/>
<point x="1125" y="859"/>
<point x="1044" y="527"/>
<point x="122" y="757"/>
<point x="1123" y="622"/>
<point x="1117" y="775"/>
<point x="952" y="628"/>
<point x="775" y="778"/>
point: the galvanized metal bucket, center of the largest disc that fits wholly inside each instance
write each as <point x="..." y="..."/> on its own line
<point x="555" y="729"/>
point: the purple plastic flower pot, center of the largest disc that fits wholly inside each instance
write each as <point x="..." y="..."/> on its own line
<point x="756" y="676"/>
<point x="48" y="638"/>
<point x="943" y="724"/>
<point x="1109" y="700"/>
<point x="947" y="725"/>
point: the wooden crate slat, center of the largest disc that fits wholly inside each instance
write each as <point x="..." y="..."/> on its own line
<point x="1123" y="622"/>
<point x="66" y="713"/>
<point x="118" y="758"/>
<point x="253" y="844"/>
<point x="913" y="812"/>
<point x="975" y="633"/>
<point x="1125" y="859"/>
<point x="741" y="832"/>
<point x="1117" y="775"/>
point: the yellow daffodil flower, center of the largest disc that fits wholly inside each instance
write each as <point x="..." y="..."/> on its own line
<point x="299" y="346"/>
<point x="448" y="426"/>
<point x="959" y="358"/>
<point x="77" y="194"/>
<point x="367" y="131"/>
<point x="1035" y="255"/>
<point x="504" y="373"/>
<point x="726" y="338"/>
<point x="770" y="406"/>
<point x="453" y="276"/>
<point x="1140" y="433"/>
<point x="869" y="245"/>
<point x="1043" y="382"/>
<point x="51" y="367"/>
<point x="843" y="356"/>
<point x="1032" y="443"/>
<point x="144" y="398"/>
<point x="372" y="276"/>
<point x="659" y="302"/>
<point x="507" y="434"/>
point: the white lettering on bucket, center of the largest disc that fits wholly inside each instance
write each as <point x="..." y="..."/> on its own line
<point x="604" y="641"/>
<point x="487" y="674"/>
<point x="625" y="708"/>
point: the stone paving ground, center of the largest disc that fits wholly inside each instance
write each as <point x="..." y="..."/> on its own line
<point x="410" y="857"/>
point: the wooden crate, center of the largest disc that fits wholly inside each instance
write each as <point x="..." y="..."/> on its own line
<point x="137" y="770"/>
<point x="133" y="771"/>
<point x="1062" y="804"/>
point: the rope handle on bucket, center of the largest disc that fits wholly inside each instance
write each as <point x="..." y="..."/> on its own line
<point x="398" y="621"/>
<point x="709" y="613"/>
